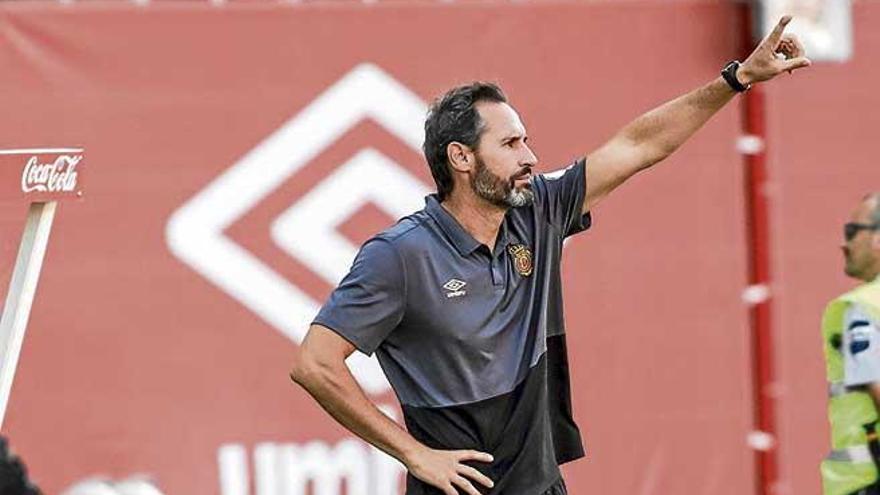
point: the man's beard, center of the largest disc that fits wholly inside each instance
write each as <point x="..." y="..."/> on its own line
<point x="854" y="267"/>
<point x="858" y="262"/>
<point x="500" y="192"/>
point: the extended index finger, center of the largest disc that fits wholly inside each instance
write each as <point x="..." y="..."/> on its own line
<point x="776" y="35"/>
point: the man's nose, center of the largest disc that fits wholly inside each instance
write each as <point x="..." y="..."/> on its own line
<point x="530" y="159"/>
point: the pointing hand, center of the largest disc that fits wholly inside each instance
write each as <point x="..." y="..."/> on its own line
<point x="777" y="53"/>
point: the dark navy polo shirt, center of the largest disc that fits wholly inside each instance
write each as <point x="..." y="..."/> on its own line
<point x="473" y="341"/>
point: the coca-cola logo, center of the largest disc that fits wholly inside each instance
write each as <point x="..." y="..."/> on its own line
<point x="59" y="175"/>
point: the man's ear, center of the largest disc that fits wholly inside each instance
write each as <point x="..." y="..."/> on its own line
<point x="460" y="156"/>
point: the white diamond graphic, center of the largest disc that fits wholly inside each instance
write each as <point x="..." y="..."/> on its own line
<point x="195" y="232"/>
<point x="368" y="177"/>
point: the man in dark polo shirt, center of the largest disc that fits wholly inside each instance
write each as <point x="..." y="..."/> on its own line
<point x="462" y="301"/>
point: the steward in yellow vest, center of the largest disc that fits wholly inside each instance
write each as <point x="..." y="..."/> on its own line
<point x="851" y="334"/>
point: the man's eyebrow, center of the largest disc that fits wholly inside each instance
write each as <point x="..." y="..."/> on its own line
<point x="513" y="136"/>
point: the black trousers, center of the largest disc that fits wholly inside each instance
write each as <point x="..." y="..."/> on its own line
<point x="558" y="488"/>
<point x="869" y="490"/>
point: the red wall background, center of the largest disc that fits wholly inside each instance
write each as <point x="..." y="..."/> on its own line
<point x="136" y="363"/>
<point x="824" y="131"/>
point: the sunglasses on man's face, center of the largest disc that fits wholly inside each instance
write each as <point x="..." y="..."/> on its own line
<point x="850" y="230"/>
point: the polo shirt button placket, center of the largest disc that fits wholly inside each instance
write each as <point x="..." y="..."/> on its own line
<point x="498" y="270"/>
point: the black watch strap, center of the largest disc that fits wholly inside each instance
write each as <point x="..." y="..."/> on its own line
<point x="729" y="75"/>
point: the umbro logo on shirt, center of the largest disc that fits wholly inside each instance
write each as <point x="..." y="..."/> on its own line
<point x="455" y="288"/>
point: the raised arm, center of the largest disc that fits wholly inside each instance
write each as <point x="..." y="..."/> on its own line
<point x="658" y="133"/>
<point x="320" y="369"/>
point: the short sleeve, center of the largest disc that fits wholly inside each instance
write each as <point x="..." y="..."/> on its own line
<point x="560" y="195"/>
<point x="369" y="302"/>
<point x="861" y="348"/>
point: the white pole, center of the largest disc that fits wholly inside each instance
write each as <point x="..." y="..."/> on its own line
<point x="22" y="288"/>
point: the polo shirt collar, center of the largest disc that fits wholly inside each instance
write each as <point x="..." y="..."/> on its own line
<point x="464" y="242"/>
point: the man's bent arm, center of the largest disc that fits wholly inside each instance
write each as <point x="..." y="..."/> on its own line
<point x="658" y="133"/>
<point x="321" y="370"/>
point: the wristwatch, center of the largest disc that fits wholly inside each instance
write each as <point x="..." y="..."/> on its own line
<point x="729" y="75"/>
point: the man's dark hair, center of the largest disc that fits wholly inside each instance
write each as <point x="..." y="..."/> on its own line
<point x="454" y="117"/>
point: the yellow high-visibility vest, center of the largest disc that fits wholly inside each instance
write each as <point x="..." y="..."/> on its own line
<point x="848" y="467"/>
